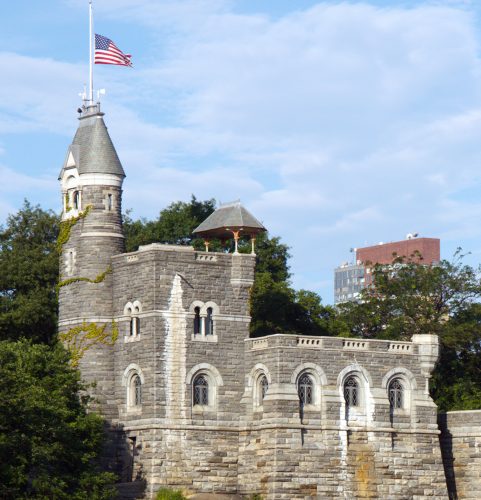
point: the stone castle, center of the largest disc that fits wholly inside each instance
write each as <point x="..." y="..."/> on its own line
<point x="193" y="403"/>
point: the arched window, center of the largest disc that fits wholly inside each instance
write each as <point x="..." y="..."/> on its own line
<point x="197" y="320"/>
<point x="351" y="392"/>
<point x="200" y="391"/>
<point x="109" y="201"/>
<point x="396" y="395"/>
<point x="263" y="386"/>
<point x="305" y="389"/>
<point x="137" y="390"/>
<point x="209" y="323"/>
<point x="76" y="200"/>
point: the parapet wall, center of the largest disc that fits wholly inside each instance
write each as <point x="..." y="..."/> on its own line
<point x="461" y="450"/>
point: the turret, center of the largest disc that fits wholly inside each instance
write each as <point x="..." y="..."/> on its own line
<point x="91" y="233"/>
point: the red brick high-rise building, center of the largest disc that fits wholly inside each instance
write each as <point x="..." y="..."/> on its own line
<point x="350" y="279"/>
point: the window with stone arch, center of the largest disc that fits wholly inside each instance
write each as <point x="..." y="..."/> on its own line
<point x="352" y="395"/>
<point x="136" y="391"/>
<point x="396" y="395"/>
<point x="204" y="316"/>
<point x="133" y="381"/>
<point x="132" y="311"/>
<point x="76" y="200"/>
<point x="305" y="389"/>
<point x="263" y="387"/>
<point x="203" y="381"/>
<point x="200" y="390"/>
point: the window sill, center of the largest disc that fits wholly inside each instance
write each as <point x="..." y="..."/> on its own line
<point x="201" y="409"/>
<point x="131" y="338"/>
<point x="197" y="337"/>
<point x="134" y="410"/>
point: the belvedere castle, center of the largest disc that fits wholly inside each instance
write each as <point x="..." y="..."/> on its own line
<point x="193" y="403"/>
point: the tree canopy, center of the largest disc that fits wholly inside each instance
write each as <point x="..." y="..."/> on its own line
<point x="406" y="298"/>
<point x="28" y="275"/>
<point x="49" y="444"/>
<point x="275" y="306"/>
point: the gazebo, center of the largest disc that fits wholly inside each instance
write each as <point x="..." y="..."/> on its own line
<point x="230" y="220"/>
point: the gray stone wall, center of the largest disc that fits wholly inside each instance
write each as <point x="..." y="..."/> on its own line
<point x="461" y="448"/>
<point x="319" y="451"/>
<point x="241" y="442"/>
<point x="180" y="444"/>
<point x="87" y="254"/>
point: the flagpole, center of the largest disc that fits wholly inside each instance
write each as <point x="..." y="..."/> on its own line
<point x="91" y="68"/>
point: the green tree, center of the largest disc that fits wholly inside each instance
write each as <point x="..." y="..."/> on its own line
<point x="49" y="444"/>
<point x="456" y="383"/>
<point x="443" y="299"/>
<point x="275" y="306"/>
<point x="407" y="298"/>
<point x="28" y="275"/>
<point x="174" y="224"/>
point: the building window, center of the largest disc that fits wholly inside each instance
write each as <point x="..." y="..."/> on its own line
<point x="132" y="312"/>
<point x="305" y="389"/>
<point x="197" y="321"/>
<point x="109" y="201"/>
<point x="209" y="323"/>
<point x="137" y="386"/>
<point x="204" y="316"/>
<point x="134" y="395"/>
<point x="396" y="395"/>
<point x="134" y="326"/>
<point x="351" y="392"/>
<point x="263" y="385"/>
<point x="76" y="200"/>
<point x="200" y="391"/>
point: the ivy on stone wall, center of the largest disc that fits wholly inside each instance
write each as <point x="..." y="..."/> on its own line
<point x="83" y="337"/>
<point x="98" y="279"/>
<point x="66" y="228"/>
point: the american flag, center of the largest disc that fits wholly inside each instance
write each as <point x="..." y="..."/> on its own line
<point x="106" y="52"/>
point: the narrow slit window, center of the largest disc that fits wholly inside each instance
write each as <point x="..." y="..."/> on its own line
<point x="209" y="322"/>
<point x="109" y="202"/>
<point x="76" y="200"/>
<point x="197" y="321"/>
<point x="263" y="386"/>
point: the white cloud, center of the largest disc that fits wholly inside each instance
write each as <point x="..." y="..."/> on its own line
<point x="338" y="125"/>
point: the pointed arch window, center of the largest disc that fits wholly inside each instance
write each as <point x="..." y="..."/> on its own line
<point x="264" y="385"/>
<point x="76" y="200"/>
<point x="305" y="390"/>
<point x="396" y="395"/>
<point x="351" y="392"/>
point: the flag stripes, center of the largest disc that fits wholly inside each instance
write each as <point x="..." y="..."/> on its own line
<point x="106" y="52"/>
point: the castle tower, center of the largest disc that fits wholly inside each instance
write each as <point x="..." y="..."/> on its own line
<point x="91" y="183"/>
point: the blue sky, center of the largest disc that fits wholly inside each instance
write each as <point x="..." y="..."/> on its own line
<point x="338" y="124"/>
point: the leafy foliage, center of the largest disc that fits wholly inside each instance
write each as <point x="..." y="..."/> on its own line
<point x="174" y="224"/>
<point x="48" y="442"/>
<point x="275" y="306"/>
<point x="168" y="494"/>
<point x="28" y="275"/>
<point x="407" y="298"/>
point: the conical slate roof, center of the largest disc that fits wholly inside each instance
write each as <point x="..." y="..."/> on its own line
<point x="227" y="218"/>
<point x="92" y="148"/>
